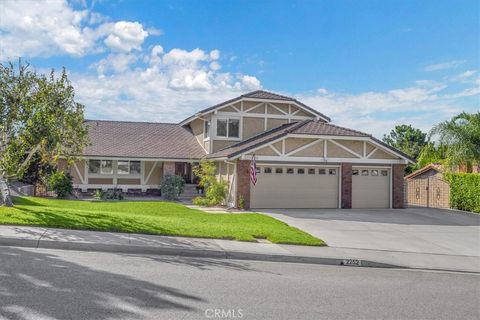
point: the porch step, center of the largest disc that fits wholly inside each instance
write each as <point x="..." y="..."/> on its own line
<point x="189" y="192"/>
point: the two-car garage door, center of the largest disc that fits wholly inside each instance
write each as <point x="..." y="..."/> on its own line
<point x="295" y="187"/>
<point x="318" y="187"/>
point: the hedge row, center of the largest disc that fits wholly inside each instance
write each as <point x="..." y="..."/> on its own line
<point x="464" y="191"/>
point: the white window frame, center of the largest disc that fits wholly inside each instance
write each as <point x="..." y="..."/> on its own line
<point x="240" y="128"/>
<point x="207" y="133"/>
<point x="129" y="173"/>
<point x="107" y="173"/>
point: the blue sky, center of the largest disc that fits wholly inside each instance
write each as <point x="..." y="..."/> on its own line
<point x="368" y="64"/>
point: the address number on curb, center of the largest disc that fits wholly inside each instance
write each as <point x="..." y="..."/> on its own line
<point x="351" y="262"/>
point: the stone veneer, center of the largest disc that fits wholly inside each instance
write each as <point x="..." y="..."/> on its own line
<point x="398" y="186"/>
<point x="346" y="186"/>
<point x="243" y="182"/>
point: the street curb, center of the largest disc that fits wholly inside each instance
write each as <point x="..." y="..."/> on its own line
<point x="199" y="253"/>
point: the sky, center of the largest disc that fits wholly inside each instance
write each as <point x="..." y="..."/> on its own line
<point x="369" y="65"/>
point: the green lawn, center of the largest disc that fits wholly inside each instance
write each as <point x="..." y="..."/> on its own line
<point x="151" y="217"/>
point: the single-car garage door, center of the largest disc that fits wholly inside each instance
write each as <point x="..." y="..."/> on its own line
<point x="370" y="187"/>
<point x="295" y="187"/>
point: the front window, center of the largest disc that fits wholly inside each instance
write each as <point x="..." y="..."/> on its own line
<point x="106" y="167"/>
<point x="228" y="128"/>
<point x="135" y="167"/>
<point x="123" y="167"/>
<point x="94" y="166"/>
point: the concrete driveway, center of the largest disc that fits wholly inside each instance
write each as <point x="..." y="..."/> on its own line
<point x="419" y="230"/>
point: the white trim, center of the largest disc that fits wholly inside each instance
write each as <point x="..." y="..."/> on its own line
<point x="275" y="149"/>
<point x="371" y="152"/>
<point x="345" y="148"/>
<point x="278" y="109"/>
<point x="82" y="179"/>
<point x="303" y="147"/>
<point x="151" y="171"/>
<point x="261" y="115"/>
<point x="320" y="159"/>
<point x="264" y="164"/>
<point x="340" y="172"/>
<point x="141" y="159"/>
<point x="255" y="106"/>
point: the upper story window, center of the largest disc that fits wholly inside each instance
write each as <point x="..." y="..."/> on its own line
<point x="206" y="129"/>
<point x="228" y="128"/>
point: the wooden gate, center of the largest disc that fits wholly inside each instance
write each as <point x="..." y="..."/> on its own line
<point x="428" y="192"/>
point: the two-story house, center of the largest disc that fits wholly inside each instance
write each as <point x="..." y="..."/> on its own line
<point x="303" y="161"/>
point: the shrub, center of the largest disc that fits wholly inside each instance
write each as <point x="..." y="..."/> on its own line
<point x="172" y="186"/>
<point x="241" y="202"/>
<point x="464" y="191"/>
<point x="61" y="183"/>
<point x="113" y="194"/>
<point x="214" y="196"/>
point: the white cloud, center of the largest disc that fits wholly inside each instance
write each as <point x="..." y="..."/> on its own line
<point x="126" y="36"/>
<point x="42" y="29"/>
<point x="444" y="65"/>
<point x="115" y="62"/>
<point x="422" y="105"/>
<point x="163" y="86"/>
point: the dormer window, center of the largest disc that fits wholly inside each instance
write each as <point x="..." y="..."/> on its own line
<point x="228" y="128"/>
<point x="206" y="129"/>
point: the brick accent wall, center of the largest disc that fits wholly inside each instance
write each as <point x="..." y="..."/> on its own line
<point x="398" y="186"/>
<point x="243" y="182"/>
<point x="346" y="186"/>
<point x="168" y="168"/>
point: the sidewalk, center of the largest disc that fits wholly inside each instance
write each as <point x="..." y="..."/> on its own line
<point x="38" y="237"/>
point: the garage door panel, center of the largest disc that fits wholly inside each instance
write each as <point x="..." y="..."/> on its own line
<point x="275" y="190"/>
<point x="370" y="187"/>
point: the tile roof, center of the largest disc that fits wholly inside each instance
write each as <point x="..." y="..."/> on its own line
<point x="306" y="127"/>
<point x="258" y="94"/>
<point x="141" y="140"/>
<point x="432" y="166"/>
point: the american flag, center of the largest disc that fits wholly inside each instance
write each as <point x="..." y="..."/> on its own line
<point x="253" y="171"/>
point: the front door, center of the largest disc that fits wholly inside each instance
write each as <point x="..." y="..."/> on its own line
<point x="184" y="170"/>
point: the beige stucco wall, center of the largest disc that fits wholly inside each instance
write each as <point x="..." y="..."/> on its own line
<point x="252" y="126"/>
<point x="273" y="123"/>
<point x="221" y="144"/>
<point x="157" y="173"/>
<point x="197" y="130"/>
<point x="100" y="181"/>
<point x="334" y="151"/>
<point x="294" y="143"/>
<point x="313" y="151"/>
<point x="250" y="104"/>
<point x="128" y="181"/>
<point x="81" y="168"/>
<point x="380" y="154"/>
<point x="356" y="146"/>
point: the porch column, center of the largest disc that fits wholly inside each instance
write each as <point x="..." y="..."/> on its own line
<point x="346" y="186"/>
<point x="397" y="186"/>
<point x="243" y="182"/>
<point x="168" y="168"/>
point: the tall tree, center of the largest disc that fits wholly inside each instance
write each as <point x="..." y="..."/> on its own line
<point x="38" y="115"/>
<point x="407" y="139"/>
<point x="460" y="138"/>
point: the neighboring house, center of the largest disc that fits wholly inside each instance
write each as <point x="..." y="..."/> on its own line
<point x="303" y="160"/>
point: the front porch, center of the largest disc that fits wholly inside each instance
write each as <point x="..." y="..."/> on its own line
<point x="134" y="176"/>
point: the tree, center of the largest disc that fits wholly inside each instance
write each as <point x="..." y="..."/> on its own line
<point x="460" y="138"/>
<point x="407" y="139"/>
<point x="38" y="115"/>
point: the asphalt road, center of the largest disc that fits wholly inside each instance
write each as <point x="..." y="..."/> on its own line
<point x="54" y="284"/>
